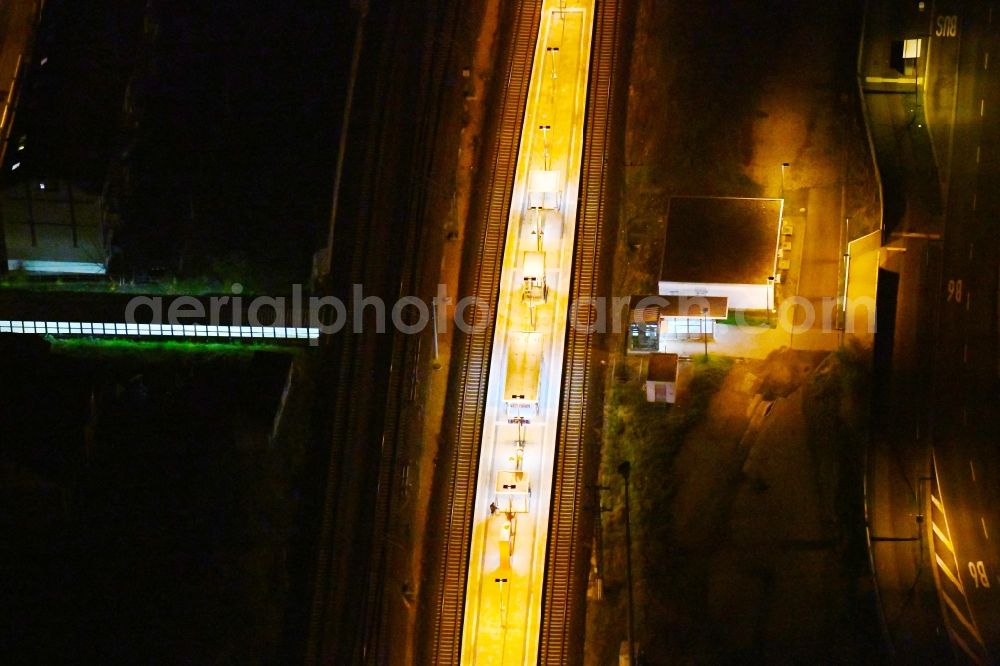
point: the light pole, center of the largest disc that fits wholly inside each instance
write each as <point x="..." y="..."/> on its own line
<point x="625" y="469"/>
<point x="704" y="329"/>
<point x="359" y="37"/>
<point x="769" y="295"/>
<point x="784" y="165"/>
<point x="847" y="271"/>
<point x="545" y="144"/>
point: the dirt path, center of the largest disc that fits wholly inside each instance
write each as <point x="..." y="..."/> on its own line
<point x="744" y="544"/>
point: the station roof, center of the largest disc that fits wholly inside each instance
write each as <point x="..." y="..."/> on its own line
<point x="652" y="307"/>
<point x="720" y="240"/>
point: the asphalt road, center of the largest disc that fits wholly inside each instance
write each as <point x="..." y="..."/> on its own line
<point x="965" y="433"/>
<point x="936" y="153"/>
<point x="17" y="19"/>
<point x="911" y="613"/>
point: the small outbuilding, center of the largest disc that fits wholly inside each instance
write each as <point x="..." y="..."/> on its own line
<point x="661" y="378"/>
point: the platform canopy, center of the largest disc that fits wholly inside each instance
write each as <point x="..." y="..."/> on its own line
<point x="651" y="308"/>
<point x="544" y="189"/>
<point x="513" y="491"/>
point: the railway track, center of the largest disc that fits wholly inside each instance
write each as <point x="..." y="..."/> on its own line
<point x="475" y="348"/>
<point x="564" y="595"/>
<point x="377" y="641"/>
<point x="401" y="97"/>
<point x="566" y="561"/>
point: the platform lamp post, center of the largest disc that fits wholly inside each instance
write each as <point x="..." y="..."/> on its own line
<point x="625" y="468"/>
<point x="361" y="7"/>
<point x="847" y="277"/>
<point x="545" y="129"/>
<point x="769" y="296"/>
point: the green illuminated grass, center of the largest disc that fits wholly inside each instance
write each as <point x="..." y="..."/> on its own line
<point x="160" y="349"/>
<point x="744" y="319"/>
<point x="105" y="285"/>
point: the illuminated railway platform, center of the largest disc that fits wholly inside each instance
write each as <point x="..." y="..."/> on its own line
<point x="514" y="486"/>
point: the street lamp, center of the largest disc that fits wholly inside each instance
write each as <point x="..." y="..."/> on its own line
<point x="625" y="469"/>
<point x="704" y="329"/>
<point x="769" y="294"/>
<point x="847" y="278"/>
<point x="361" y="6"/>
<point x="784" y="165"/>
<point x="545" y="144"/>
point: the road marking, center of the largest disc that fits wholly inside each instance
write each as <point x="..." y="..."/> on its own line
<point x="977" y="570"/>
<point x="947" y="26"/>
<point x="973" y="469"/>
<point x="954" y="289"/>
<point x="968" y="622"/>
<point x="976" y="659"/>
<point x="983" y="521"/>
<point x="903" y="81"/>
<point x="947" y="542"/>
<point x="982" y="106"/>
<point x="951" y="576"/>
<point x="965" y="622"/>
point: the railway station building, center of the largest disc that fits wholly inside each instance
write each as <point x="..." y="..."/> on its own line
<point x="720" y="254"/>
<point x="722" y="247"/>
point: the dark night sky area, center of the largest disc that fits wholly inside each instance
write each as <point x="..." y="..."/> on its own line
<point x="144" y="510"/>
<point x="148" y="517"/>
<point x="223" y="164"/>
<point x="72" y="92"/>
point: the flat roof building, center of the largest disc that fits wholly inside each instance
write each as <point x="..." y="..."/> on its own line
<point x="661" y="378"/>
<point x="725" y="247"/>
<point x="52" y="226"/>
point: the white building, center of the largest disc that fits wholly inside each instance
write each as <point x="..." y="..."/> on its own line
<point x="52" y="226"/>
